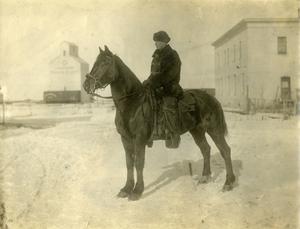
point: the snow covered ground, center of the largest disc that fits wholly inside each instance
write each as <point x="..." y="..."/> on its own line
<point x="62" y="166"/>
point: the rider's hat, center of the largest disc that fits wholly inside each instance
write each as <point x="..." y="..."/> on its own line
<point x="161" y="36"/>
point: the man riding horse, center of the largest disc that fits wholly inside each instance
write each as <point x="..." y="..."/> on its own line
<point x="164" y="80"/>
<point x="134" y="112"/>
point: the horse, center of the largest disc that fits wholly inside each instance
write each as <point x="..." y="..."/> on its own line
<point x="133" y="112"/>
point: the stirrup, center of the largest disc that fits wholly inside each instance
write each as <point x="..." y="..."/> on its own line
<point x="150" y="144"/>
<point x="173" y="142"/>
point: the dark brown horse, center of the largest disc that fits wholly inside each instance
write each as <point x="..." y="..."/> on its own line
<point x="133" y="121"/>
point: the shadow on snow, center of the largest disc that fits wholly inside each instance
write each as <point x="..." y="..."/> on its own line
<point x="181" y="168"/>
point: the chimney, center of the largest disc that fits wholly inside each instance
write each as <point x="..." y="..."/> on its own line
<point x="298" y="9"/>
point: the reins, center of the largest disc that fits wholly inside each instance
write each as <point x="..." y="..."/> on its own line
<point x="118" y="99"/>
<point x="100" y="96"/>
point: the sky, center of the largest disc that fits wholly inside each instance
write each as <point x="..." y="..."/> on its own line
<point x="32" y="30"/>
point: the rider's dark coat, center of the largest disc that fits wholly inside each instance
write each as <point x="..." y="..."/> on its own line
<point x="165" y="71"/>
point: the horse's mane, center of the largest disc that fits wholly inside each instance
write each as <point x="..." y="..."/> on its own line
<point x="130" y="78"/>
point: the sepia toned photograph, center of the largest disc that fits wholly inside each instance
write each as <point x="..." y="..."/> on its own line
<point x="136" y="114"/>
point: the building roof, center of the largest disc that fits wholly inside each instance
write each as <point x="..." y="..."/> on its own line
<point x="242" y="25"/>
<point x="77" y="59"/>
<point x="74" y="57"/>
<point x="68" y="42"/>
<point x="80" y="60"/>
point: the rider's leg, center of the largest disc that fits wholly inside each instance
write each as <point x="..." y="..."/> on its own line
<point x="170" y="111"/>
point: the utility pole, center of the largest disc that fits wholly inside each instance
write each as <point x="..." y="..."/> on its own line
<point x="3" y="112"/>
<point x="3" y="106"/>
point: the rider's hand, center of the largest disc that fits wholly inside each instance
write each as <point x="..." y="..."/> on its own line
<point x="146" y="83"/>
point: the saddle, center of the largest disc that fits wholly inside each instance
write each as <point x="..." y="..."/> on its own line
<point x="182" y="110"/>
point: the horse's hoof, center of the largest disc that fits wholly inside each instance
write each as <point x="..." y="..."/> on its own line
<point x="122" y="194"/>
<point x="227" y="187"/>
<point x="134" y="196"/>
<point x="204" y="179"/>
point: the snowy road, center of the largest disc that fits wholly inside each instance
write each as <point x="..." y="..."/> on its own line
<point x="67" y="174"/>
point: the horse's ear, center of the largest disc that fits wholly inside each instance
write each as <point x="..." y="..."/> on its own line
<point x="100" y="50"/>
<point x="106" y="49"/>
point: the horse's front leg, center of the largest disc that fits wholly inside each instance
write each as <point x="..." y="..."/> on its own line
<point x="139" y="165"/>
<point x="129" y="150"/>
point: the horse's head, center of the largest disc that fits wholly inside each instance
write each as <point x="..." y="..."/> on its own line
<point x="103" y="72"/>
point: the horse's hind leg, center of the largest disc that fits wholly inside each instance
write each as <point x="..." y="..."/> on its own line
<point x="200" y="139"/>
<point x="225" y="151"/>
<point x="129" y="150"/>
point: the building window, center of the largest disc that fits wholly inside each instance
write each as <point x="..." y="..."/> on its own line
<point x="221" y="86"/>
<point x="64" y="53"/>
<point x="239" y="85"/>
<point x="235" y="85"/>
<point x="281" y="45"/>
<point x="225" y="86"/>
<point x="285" y="87"/>
<point x="228" y="85"/>
<point x="240" y="52"/>
<point x="234" y="53"/>
<point x="244" y="84"/>
<point x="227" y="55"/>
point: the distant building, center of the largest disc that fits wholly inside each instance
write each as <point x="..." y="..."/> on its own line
<point x="67" y="74"/>
<point x="257" y="61"/>
<point x="210" y="91"/>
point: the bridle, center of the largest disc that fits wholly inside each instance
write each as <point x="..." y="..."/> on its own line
<point x="89" y="76"/>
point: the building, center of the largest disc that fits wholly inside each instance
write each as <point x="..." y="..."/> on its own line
<point x="210" y="91"/>
<point x="67" y="74"/>
<point x="257" y="61"/>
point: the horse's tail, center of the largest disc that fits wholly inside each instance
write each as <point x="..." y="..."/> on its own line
<point x="222" y="126"/>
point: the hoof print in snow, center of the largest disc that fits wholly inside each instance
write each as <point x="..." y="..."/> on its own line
<point x="227" y="187"/>
<point x="134" y="197"/>
<point x="204" y="180"/>
<point x="122" y="194"/>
